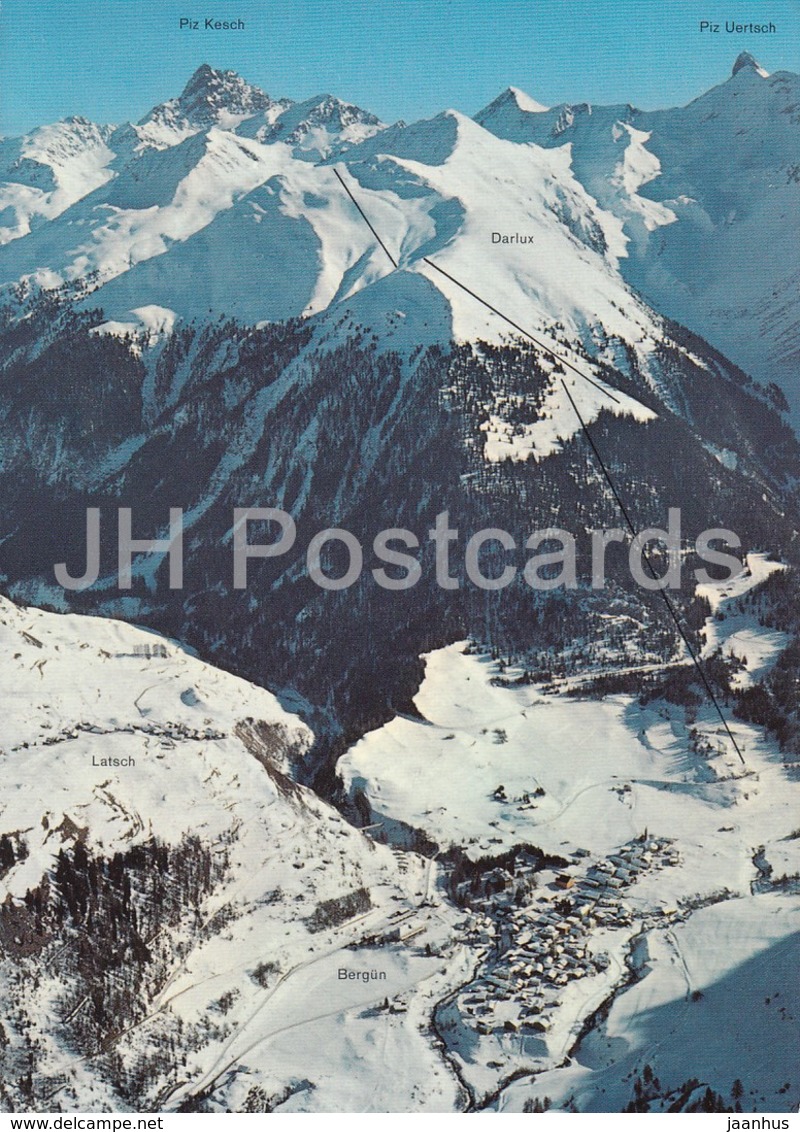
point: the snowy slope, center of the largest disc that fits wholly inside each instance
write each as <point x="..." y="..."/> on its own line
<point x="566" y="271"/>
<point x="162" y="198"/>
<point x="45" y="172"/>
<point x="697" y="227"/>
<point x="126" y="702"/>
<point x="736" y="633"/>
<point x="440" y="773"/>
<point x="202" y="753"/>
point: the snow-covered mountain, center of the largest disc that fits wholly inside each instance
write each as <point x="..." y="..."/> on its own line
<point x="317" y="128"/>
<point x="638" y="189"/>
<point x="248" y="204"/>
<point x="210" y="98"/>
<point x="555" y="213"/>
<point x="48" y="170"/>
<point x="708" y="197"/>
<point x="171" y="900"/>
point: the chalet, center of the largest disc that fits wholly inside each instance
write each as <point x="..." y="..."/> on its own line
<point x="564" y="880"/>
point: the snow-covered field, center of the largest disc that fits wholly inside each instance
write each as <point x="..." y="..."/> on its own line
<point x="487" y="767"/>
<point x="737" y="633"/>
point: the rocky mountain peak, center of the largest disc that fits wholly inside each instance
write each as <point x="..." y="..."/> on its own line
<point x="747" y="61"/>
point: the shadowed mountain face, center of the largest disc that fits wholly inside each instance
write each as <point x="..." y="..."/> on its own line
<point x="382" y="388"/>
<point x="315" y="418"/>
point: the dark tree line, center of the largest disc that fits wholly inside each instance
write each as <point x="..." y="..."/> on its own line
<point x="341" y="433"/>
<point x="108" y="930"/>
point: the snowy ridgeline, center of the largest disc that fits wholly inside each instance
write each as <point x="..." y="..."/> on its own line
<point x="226" y="201"/>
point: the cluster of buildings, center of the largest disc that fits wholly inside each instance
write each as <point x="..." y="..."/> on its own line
<point x="536" y="932"/>
<point x="167" y="732"/>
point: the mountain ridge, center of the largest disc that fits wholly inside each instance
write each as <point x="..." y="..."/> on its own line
<point x="690" y="222"/>
<point x="675" y="226"/>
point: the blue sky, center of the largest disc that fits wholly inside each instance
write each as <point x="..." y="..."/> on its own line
<point x="111" y="60"/>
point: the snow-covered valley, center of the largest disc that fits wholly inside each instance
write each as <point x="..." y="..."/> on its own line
<point x="629" y="890"/>
<point x="609" y="953"/>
